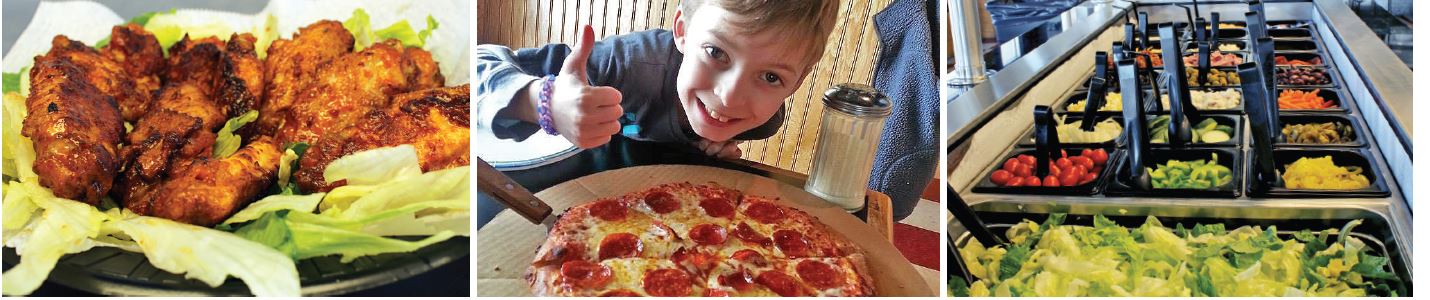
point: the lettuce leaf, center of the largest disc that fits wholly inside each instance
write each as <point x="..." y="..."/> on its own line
<point x="64" y="227"/>
<point x="19" y="151"/>
<point x="227" y="142"/>
<point x="209" y="255"/>
<point x="374" y="166"/>
<point x="360" y="25"/>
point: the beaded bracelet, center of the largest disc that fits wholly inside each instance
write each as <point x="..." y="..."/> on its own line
<point x="543" y="108"/>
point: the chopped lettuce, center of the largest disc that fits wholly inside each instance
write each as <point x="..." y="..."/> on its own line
<point x="19" y="152"/>
<point x="1152" y="260"/>
<point x="62" y="227"/>
<point x="227" y="142"/>
<point x="386" y="195"/>
<point x="210" y="255"/>
<point x="292" y="153"/>
<point x="169" y="28"/>
<point x="360" y="25"/>
<point x="12" y="82"/>
<point x="55" y="226"/>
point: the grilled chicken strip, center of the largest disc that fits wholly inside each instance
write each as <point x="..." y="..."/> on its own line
<point x="291" y="64"/>
<point x="351" y="86"/>
<point x="104" y="73"/>
<point x="434" y="121"/>
<point x="75" y="128"/>
<point x="138" y="52"/>
<point x="206" y="191"/>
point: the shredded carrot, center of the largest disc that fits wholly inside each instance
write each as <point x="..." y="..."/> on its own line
<point x="1302" y="99"/>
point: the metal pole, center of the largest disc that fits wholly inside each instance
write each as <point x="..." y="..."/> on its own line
<point x="967" y="36"/>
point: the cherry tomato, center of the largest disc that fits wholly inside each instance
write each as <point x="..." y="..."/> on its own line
<point x="1054" y="170"/>
<point x="1023" y="170"/>
<point x="1088" y="178"/>
<point x="1001" y="177"/>
<point x="1064" y="163"/>
<point x="1051" y="181"/>
<point x="1087" y="152"/>
<point x="1065" y="152"/>
<point x="1069" y="179"/>
<point x="1099" y="157"/>
<point x="1011" y="164"/>
<point x="1015" y="181"/>
<point x="1032" y="181"/>
<point x="1082" y="161"/>
<point x="1027" y="159"/>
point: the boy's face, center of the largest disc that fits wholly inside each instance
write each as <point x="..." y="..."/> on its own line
<point x="731" y="81"/>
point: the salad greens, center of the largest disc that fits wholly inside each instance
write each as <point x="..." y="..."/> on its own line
<point x="364" y="35"/>
<point x="386" y="195"/>
<point x="227" y="142"/>
<point x="1106" y="259"/>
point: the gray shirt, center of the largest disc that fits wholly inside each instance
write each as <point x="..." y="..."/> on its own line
<point x="642" y="65"/>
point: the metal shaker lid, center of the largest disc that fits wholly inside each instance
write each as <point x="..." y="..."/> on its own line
<point x="858" y="100"/>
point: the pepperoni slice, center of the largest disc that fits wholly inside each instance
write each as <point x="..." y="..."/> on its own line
<point x="818" y="274"/>
<point x="609" y="210"/>
<point x="739" y="280"/>
<point x="661" y="202"/>
<point x="586" y="274"/>
<point x="620" y="293"/>
<point x="765" y="212"/>
<point x="750" y="257"/>
<point x="620" y="245"/>
<point x="718" y="207"/>
<point x="747" y="234"/>
<point x="781" y="284"/>
<point x="792" y="243"/>
<point x="694" y="258"/>
<point x="667" y="283"/>
<point x="708" y="234"/>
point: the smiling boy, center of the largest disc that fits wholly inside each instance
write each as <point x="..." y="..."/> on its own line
<point x="718" y="77"/>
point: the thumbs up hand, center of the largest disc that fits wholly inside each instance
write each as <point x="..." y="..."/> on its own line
<point x="585" y="115"/>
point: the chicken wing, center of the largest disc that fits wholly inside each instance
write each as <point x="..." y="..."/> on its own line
<point x="103" y="73"/>
<point x="182" y="122"/>
<point x="348" y="88"/>
<point x="75" y="128"/>
<point x="138" y="52"/>
<point x="292" y="63"/>
<point x="207" y="191"/>
<point x="434" y="121"/>
<point x="241" y="88"/>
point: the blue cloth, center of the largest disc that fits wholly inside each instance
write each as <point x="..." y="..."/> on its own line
<point x="908" y="150"/>
<point x="642" y="65"/>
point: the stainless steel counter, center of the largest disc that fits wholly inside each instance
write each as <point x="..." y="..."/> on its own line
<point x="985" y="122"/>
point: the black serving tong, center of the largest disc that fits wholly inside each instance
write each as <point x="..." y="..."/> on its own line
<point x="1045" y="137"/>
<point x="970" y="220"/>
<point x="1255" y="25"/>
<point x="1179" y="131"/>
<point x="1146" y="33"/>
<point x="1096" y="95"/>
<point x="1257" y="7"/>
<point x="1259" y="111"/>
<point x="1267" y="60"/>
<point x="1134" y="125"/>
<point x="1204" y="62"/>
<point x="1215" y="35"/>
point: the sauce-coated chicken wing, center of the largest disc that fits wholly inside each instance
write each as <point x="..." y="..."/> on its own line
<point x="434" y="121"/>
<point x="75" y="128"/>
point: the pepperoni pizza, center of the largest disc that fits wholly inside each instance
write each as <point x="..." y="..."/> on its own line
<point x="681" y="239"/>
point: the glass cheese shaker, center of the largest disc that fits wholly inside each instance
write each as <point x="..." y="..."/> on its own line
<point x="848" y="135"/>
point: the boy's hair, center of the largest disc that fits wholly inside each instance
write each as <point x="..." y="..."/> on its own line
<point x="807" y="20"/>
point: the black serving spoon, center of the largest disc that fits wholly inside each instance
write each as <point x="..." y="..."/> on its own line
<point x="1134" y="125"/>
<point x="1045" y="138"/>
<point x="1259" y="112"/>
<point x="1215" y="29"/>
<point x="1179" y="131"/>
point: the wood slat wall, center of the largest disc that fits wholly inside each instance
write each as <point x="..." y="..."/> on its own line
<point x="849" y="57"/>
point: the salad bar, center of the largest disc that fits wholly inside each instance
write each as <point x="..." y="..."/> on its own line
<point x="1270" y="130"/>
